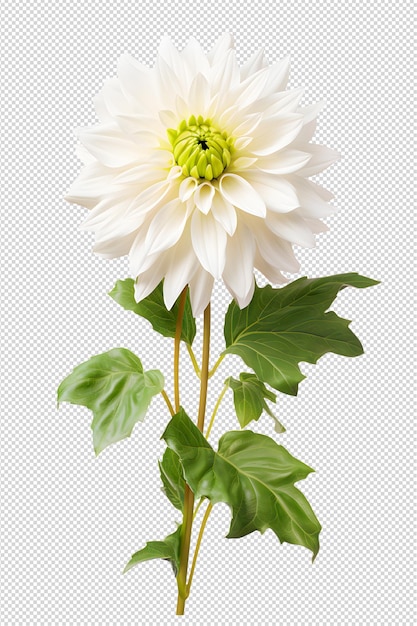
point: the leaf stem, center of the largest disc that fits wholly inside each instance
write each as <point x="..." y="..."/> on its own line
<point x="177" y="341"/>
<point x="198" y="544"/>
<point x="216" y="408"/>
<point x="197" y="508"/>
<point x="194" y="360"/>
<point x="187" y="521"/>
<point x="216" y="365"/>
<point x="168" y="402"/>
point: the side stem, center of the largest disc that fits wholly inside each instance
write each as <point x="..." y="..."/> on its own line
<point x="188" y="494"/>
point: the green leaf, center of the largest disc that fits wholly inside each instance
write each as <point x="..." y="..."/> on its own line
<point x="168" y="549"/>
<point x="154" y="310"/>
<point x="281" y="327"/>
<point x="253" y="475"/>
<point x="172" y="478"/>
<point x="115" y="387"/>
<point x="249" y="395"/>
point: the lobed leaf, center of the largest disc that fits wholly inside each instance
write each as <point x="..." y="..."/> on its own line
<point x="154" y="310"/>
<point x="249" y="394"/>
<point x="253" y="475"/>
<point x="281" y="327"/>
<point x="172" y="478"/>
<point x="114" y="386"/>
<point x="168" y="549"/>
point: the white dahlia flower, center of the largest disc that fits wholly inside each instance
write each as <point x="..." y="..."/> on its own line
<point x="199" y="169"/>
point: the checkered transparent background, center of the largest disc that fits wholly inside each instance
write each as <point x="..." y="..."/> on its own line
<point x="68" y="521"/>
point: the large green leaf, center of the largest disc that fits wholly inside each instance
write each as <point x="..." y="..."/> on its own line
<point x="168" y="549"/>
<point x="154" y="310"/>
<point x="115" y="387"/>
<point x="281" y="327"/>
<point x="249" y="394"/>
<point x="253" y="475"/>
<point x="172" y="478"/>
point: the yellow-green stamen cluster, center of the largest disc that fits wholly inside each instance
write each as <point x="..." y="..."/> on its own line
<point x="200" y="149"/>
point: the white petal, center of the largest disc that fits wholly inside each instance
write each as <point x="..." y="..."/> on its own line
<point x="112" y="99"/>
<point x="199" y="94"/>
<point x="255" y="63"/>
<point x="137" y="82"/>
<point x="225" y="76"/>
<point x="224" y="212"/>
<point x="276" y="251"/>
<point x="109" y="145"/>
<point x="106" y="213"/>
<point x="292" y="227"/>
<point x="150" y="197"/>
<point x="275" y="133"/>
<point x="284" y="162"/>
<point x="224" y="43"/>
<point x="203" y="197"/>
<point x="139" y="174"/>
<point x="238" y="271"/>
<point x="278" y="193"/>
<point x="285" y="102"/>
<point x="115" y="247"/>
<point x="241" y="194"/>
<point x="147" y="281"/>
<point x="187" y="188"/>
<point x="269" y="271"/>
<point x="241" y="163"/>
<point x="88" y="187"/>
<point x="312" y="204"/>
<point x="248" y="125"/>
<point x="250" y="89"/>
<point x="201" y="287"/>
<point x="194" y="60"/>
<point x="278" y="76"/>
<point x="166" y="227"/>
<point x="209" y="242"/>
<point x="322" y="157"/>
<point x="169" y="53"/>
<point x="181" y="268"/>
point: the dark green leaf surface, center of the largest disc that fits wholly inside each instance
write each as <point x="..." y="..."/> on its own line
<point x="154" y="310"/>
<point x="115" y="387"/>
<point x="172" y="478"/>
<point x="282" y="327"/>
<point x="253" y="475"/>
<point x="249" y="394"/>
<point x="168" y="549"/>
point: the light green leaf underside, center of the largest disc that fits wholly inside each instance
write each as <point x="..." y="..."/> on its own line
<point x="172" y="478"/>
<point x="282" y="327"/>
<point x="154" y="310"/>
<point x="168" y="549"/>
<point x="249" y="394"/>
<point x="253" y="475"/>
<point x="114" y="386"/>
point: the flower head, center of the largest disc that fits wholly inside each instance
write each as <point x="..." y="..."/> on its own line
<point x="199" y="169"/>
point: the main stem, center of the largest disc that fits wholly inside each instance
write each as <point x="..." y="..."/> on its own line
<point x="187" y="521"/>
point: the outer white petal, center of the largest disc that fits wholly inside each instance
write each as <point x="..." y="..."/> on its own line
<point x="224" y="212"/>
<point x="238" y="271"/>
<point x="278" y="193"/>
<point x="285" y="162"/>
<point x="313" y="199"/>
<point x="321" y="158"/>
<point x="166" y="227"/>
<point x="115" y="247"/>
<point x="209" y="242"/>
<point x="276" y="133"/>
<point x="269" y="271"/>
<point x="88" y="187"/>
<point x="278" y="76"/>
<point x="225" y="76"/>
<point x="292" y="227"/>
<point x="241" y="194"/>
<point x="255" y="63"/>
<point x="182" y="266"/>
<point x="149" y="280"/>
<point x="109" y="145"/>
<point x="201" y="287"/>
<point x="276" y="251"/>
<point x="199" y="94"/>
<point x="137" y="82"/>
<point x="111" y="101"/>
<point x="150" y="197"/>
<point x="194" y="59"/>
<point x="284" y="102"/>
<point x="224" y="43"/>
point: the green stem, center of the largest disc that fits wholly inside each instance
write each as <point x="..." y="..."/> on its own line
<point x="197" y="547"/>
<point x="216" y="365"/>
<point x="168" y="402"/>
<point x="187" y="521"/>
<point x="177" y="340"/>
<point x="197" y="508"/>
<point x="193" y="360"/>
<point x="216" y="408"/>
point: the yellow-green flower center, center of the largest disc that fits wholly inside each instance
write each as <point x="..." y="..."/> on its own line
<point x="200" y="148"/>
